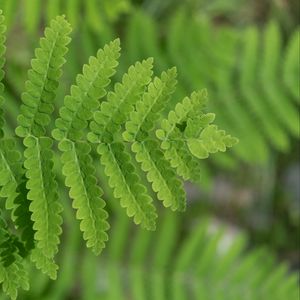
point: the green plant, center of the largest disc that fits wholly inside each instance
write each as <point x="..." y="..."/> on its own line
<point x="96" y="13"/>
<point x="127" y="122"/>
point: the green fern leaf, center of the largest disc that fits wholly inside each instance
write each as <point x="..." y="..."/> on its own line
<point x="140" y="125"/>
<point x="142" y="121"/>
<point x="78" y="168"/>
<point x="46" y="264"/>
<point x="181" y="124"/>
<point x="106" y="124"/>
<point x="85" y="96"/>
<point x="116" y="110"/>
<point x="211" y="140"/>
<point x="44" y="206"/>
<point x="168" y="187"/>
<point x="127" y="184"/>
<point x="14" y="277"/>
<point x="249" y="87"/>
<point x="282" y="108"/>
<point x="12" y="272"/>
<point x="80" y="177"/>
<point x="43" y="80"/>
<point x="35" y="116"/>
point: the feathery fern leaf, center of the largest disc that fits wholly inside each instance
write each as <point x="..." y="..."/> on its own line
<point x="13" y="278"/>
<point x="142" y="121"/>
<point x="127" y="184"/>
<point x="86" y="194"/>
<point x="120" y="103"/>
<point x="189" y="125"/>
<point x="85" y="96"/>
<point x="140" y="126"/>
<point x="78" y="167"/>
<point x="283" y="109"/>
<point x="106" y="123"/>
<point x="164" y="181"/>
<point x="35" y="116"/>
<point x="43" y="80"/>
<point x="45" y="207"/>
<point x="249" y="65"/>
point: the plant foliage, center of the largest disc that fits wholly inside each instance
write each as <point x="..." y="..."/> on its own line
<point x="202" y="259"/>
<point x="120" y="123"/>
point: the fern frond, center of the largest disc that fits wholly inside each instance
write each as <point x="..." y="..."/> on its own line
<point x="181" y="159"/>
<point x="211" y="140"/>
<point x="42" y="186"/>
<point x="43" y="80"/>
<point x="189" y="125"/>
<point x="80" y="177"/>
<point x="35" y="116"/>
<point x="78" y="168"/>
<point x="127" y="184"/>
<point x="46" y="264"/>
<point x="120" y="103"/>
<point x="106" y="123"/>
<point x="250" y="62"/>
<point x="12" y="272"/>
<point x="85" y="96"/>
<point x="164" y="181"/>
<point x="13" y="278"/>
<point x="141" y="122"/>
<point x="282" y="108"/>
<point x="140" y="126"/>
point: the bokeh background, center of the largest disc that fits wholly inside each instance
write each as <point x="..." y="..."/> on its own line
<point x="239" y="238"/>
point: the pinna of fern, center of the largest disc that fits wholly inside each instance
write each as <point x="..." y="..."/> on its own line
<point x="124" y="124"/>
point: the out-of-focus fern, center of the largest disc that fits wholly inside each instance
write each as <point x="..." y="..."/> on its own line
<point x="122" y="122"/>
<point x="96" y="13"/>
<point x="209" y="260"/>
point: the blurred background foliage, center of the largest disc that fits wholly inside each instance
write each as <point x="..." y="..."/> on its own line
<point x="246" y="53"/>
